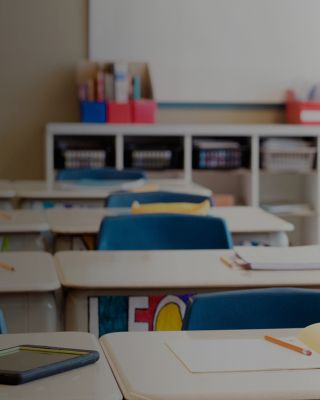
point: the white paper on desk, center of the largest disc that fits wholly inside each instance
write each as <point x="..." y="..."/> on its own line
<point x="227" y="355"/>
<point x="281" y="258"/>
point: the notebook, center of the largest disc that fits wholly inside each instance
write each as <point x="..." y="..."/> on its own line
<point x="279" y="258"/>
<point x="231" y="355"/>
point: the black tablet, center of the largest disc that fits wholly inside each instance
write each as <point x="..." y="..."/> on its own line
<point x="25" y="363"/>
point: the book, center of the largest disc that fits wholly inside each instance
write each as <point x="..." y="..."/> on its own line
<point x="109" y="86"/>
<point x="121" y="84"/>
<point x="278" y="258"/>
<point x="258" y="354"/>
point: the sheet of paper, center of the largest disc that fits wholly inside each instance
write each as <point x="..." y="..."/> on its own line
<point x="226" y="355"/>
<point x="299" y="257"/>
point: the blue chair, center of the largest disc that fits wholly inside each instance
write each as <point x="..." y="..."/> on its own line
<point x="253" y="309"/>
<point x="125" y="199"/>
<point x="3" y="327"/>
<point x="74" y="174"/>
<point x="163" y="232"/>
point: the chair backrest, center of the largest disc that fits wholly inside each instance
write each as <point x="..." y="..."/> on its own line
<point x="3" y="327"/>
<point x="163" y="232"/>
<point x="125" y="199"/>
<point x="253" y="309"/>
<point x="73" y="174"/>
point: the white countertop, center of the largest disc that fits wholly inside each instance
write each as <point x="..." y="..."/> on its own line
<point x="173" y="269"/>
<point x="64" y="190"/>
<point x="240" y="219"/>
<point x="146" y="368"/>
<point x="23" y="221"/>
<point x="92" y="382"/>
<point x="34" y="271"/>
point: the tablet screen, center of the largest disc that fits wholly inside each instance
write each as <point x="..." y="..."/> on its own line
<point x="24" y="358"/>
<point x="25" y="363"/>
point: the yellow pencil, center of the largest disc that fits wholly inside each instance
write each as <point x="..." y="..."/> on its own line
<point x="226" y="262"/>
<point x="288" y="345"/>
<point x="6" y="266"/>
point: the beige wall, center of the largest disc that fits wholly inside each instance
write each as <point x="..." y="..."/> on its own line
<point x="40" y="43"/>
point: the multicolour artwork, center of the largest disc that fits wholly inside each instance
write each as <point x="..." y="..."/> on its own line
<point x="136" y="313"/>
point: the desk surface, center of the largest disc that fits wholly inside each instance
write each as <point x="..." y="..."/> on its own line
<point x="34" y="272"/>
<point x="146" y="368"/>
<point x="239" y="219"/>
<point x="174" y="269"/>
<point x="7" y="190"/>
<point x="92" y="382"/>
<point x="23" y="221"/>
<point x="245" y="219"/>
<point x="65" y="190"/>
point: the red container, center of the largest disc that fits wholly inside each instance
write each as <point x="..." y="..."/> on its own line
<point x="302" y="112"/>
<point x="119" y="113"/>
<point x="144" y="111"/>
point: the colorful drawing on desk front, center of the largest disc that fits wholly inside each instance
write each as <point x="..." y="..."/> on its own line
<point x="156" y="313"/>
<point x="138" y="313"/>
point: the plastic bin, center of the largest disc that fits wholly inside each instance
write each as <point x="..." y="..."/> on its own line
<point x="302" y="112"/>
<point x="144" y="111"/>
<point x="119" y="113"/>
<point x="300" y="160"/>
<point x="93" y="111"/>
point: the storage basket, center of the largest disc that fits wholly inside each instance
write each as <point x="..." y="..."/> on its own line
<point x="300" y="160"/>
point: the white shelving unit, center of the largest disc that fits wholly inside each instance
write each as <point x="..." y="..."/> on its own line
<point x="250" y="186"/>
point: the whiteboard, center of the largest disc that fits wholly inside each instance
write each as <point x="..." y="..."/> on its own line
<point x="219" y="51"/>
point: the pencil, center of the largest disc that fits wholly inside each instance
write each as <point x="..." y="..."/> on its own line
<point x="288" y="345"/>
<point x="5" y="216"/>
<point x="226" y="262"/>
<point x="6" y="266"/>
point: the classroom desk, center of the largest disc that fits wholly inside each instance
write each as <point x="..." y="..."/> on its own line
<point x="23" y="229"/>
<point x="29" y="295"/>
<point x="245" y="223"/>
<point x="7" y="194"/>
<point x="89" y="274"/>
<point x="40" y="194"/>
<point x="145" y="368"/>
<point x="92" y="382"/>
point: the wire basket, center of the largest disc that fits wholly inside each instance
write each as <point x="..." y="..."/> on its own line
<point x="299" y="160"/>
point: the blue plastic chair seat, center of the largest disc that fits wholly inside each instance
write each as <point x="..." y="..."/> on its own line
<point x="73" y="174"/>
<point x="253" y="309"/>
<point x="163" y="232"/>
<point x="3" y="327"/>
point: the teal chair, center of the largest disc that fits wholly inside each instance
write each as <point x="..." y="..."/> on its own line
<point x="253" y="309"/>
<point x="163" y="232"/>
<point x="3" y="327"/>
<point x="125" y="199"/>
<point x="75" y="174"/>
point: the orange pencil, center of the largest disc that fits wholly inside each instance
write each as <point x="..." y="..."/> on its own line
<point x="288" y="345"/>
<point x="6" y="266"/>
<point x="5" y="216"/>
<point x="226" y="262"/>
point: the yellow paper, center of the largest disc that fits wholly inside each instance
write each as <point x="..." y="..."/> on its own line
<point x="148" y="187"/>
<point x="176" y="208"/>
<point x="311" y="336"/>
